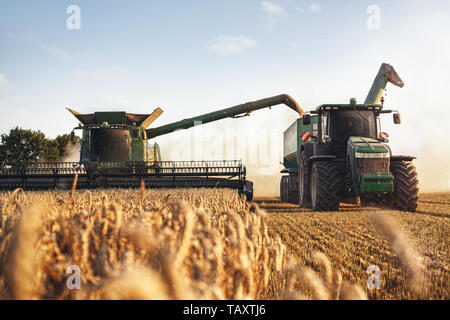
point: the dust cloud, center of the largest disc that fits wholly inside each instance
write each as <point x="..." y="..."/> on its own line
<point x="72" y="152"/>
<point x="256" y="140"/>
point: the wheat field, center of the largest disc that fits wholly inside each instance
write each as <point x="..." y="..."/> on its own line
<point x="211" y="244"/>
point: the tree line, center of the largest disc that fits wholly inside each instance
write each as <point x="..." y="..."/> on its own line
<point x="21" y="146"/>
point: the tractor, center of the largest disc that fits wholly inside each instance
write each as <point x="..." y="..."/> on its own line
<point x="338" y="152"/>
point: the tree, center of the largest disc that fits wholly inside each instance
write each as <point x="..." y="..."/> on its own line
<point x="21" y="146"/>
<point x="52" y="150"/>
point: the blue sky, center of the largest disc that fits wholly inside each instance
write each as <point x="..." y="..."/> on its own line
<point x="192" y="57"/>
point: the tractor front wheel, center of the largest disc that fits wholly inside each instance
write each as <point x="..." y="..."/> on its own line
<point x="406" y="186"/>
<point x="326" y="181"/>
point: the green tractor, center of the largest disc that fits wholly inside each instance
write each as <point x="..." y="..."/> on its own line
<point x="338" y="152"/>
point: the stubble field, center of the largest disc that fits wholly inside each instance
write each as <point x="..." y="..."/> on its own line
<point x="354" y="239"/>
<point x="211" y="244"/>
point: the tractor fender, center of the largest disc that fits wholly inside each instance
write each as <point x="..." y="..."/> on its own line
<point x="402" y="158"/>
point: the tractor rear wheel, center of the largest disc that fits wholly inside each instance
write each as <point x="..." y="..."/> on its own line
<point x="326" y="181"/>
<point x="406" y="186"/>
<point x="283" y="189"/>
<point x="304" y="196"/>
<point x="292" y="189"/>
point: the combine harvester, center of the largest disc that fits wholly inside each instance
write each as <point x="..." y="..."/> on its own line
<point x="338" y="151"/>
<point x="115" y="153"/>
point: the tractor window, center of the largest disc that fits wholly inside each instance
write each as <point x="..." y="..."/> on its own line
<point x="346" y="123"/>
<point x="325" y="126"/>
<point x="378" y="124"/>
<point x="315" y="131"/>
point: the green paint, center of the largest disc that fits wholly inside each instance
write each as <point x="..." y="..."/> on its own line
<point x="376" y="183"/>
<point x="232" y="112"/>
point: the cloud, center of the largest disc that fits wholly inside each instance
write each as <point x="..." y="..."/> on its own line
<point x="315" y="8"/>
<point x="274" y="12"/>
<point x="226" y="45"/>
<point x="101" y="74"/>
<point x="57" y="53"/>
<point x="4" y="83"/>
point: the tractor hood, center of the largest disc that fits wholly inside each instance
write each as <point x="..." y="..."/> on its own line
<point x="361" y="144"/>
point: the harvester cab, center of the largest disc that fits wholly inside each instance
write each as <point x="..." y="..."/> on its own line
<point x="337" y="152"/>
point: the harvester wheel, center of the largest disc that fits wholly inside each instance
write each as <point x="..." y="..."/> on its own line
<point x="406" y="186"/>
<point x="304" y="196"/>
<point x="326" y="181"/>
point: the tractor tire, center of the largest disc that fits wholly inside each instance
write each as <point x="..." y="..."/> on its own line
<point x="326" y="183"/>
<point x="304" y="192"/>
<point x="283" y="189"/>
<point x="406" y="186"/>
<point x="291" y="189"/>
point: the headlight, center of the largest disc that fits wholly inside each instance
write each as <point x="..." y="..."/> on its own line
<point x="372" y="155"/>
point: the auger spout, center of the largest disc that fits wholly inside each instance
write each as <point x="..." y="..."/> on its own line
<point x="385" y="74"/>
<point x="239" y="110"/>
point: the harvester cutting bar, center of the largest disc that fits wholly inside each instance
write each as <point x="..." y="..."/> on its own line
<point x="146" y="168"/>
<point x="167" y="168"/>
<point x="156" y="174"/>
<point x="43" y="168"/>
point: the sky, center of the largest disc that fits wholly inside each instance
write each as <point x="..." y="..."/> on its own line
<point x="194" y="57"/>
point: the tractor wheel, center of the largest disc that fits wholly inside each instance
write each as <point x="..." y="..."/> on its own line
<point x="326" y="181"/>
<point x="283" y="189"/>
<point x="406" y="186"/>
<point x="292" y="192"/>
<point x="304" y="196"/>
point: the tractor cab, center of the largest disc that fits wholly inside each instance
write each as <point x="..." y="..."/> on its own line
<point x="338" y="122"/>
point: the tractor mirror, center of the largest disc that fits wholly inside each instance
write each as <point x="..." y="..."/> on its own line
<point x="397" y="119"/>
<point x="306" y="119"/>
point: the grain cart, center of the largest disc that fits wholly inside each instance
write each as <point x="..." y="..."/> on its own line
<point x="115" y="153"/>
<point x="338" y="151"/>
